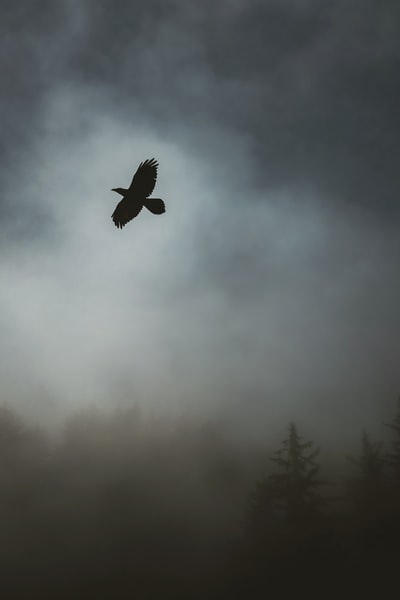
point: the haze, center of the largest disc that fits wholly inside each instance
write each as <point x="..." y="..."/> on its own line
<point x="148" y="375"/>
<point x="270" y="288"/>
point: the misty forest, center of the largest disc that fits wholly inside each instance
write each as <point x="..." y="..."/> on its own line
<point x="199" y="299"/>
<point x="123" y="506"/>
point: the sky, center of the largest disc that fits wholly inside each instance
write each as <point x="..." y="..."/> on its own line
<point x="269" y="290"/>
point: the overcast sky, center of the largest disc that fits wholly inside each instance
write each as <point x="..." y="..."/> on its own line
<point x="270" y="288"/>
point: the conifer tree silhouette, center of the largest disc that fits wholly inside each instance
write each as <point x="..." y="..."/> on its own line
<point x="393" y="457"/>
<point x="290" y="495"/>
<point x="367" y="491"/>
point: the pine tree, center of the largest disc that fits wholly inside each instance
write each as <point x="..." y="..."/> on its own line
<point x="290" y="495"/>
<point x="296" y="483"/>
<point x="393" y="457"/>
<point x="368" y="489"/>
<point x="370" y="461"/>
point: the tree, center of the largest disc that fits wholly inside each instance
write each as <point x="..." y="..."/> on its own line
<point x="367" y="490"/>
<point x="290" y="495"/>
<point x="393" y="457"/>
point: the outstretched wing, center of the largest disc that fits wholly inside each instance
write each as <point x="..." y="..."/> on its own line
<point x="144" y="179"/>
<point x="125" y="212"/>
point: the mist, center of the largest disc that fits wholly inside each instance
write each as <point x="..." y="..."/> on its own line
<point x="268" y="292"/>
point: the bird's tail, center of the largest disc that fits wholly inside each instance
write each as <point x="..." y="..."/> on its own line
<point x="155" y="205"/>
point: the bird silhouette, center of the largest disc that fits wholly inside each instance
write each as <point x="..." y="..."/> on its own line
<point x="137" y="195"/>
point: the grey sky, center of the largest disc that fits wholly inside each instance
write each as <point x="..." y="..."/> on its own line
<point x="270" y="288"/>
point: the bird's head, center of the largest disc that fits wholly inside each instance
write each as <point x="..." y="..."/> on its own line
<point x="120" y="191"/>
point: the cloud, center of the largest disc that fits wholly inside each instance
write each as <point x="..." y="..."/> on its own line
<point x="273" y="274"/>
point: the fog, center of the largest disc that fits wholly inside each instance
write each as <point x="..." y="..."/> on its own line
<point x="238" y="300"/>
<point x="269" y="290"/>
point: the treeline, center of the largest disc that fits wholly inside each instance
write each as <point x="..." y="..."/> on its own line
<point x="122" y="506"/>
<point x="323" y="537"/>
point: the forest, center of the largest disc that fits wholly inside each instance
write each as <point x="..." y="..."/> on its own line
<point x="126" y="506"/>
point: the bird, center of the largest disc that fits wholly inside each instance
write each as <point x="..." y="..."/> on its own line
<point x="137" y="195"/>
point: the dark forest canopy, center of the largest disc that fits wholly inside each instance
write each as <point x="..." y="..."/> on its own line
<point x="126" y="504"/>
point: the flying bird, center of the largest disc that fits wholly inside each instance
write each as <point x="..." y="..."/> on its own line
<point x="137" y="195"/>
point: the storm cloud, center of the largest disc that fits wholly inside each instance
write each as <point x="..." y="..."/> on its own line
<point x="270" y="288"/>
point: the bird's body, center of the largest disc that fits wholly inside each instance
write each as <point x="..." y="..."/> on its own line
<point x="137" y="195"/>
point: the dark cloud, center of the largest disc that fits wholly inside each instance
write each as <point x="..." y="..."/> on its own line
<point x="184" y="344"/>
<point x="314" y="88"/>
<point x="275" y="269"/>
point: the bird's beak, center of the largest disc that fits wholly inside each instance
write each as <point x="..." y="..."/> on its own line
<point x="114" y="190"/>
